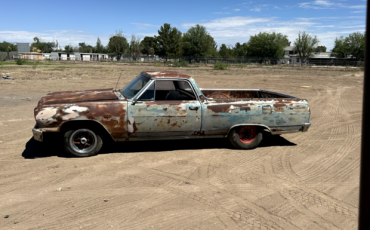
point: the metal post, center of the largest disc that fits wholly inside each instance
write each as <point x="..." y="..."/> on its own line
<point x="364" y="206"/>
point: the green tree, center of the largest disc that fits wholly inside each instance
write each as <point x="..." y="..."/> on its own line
<point x="68" y="49"/>
<point x="197" y="42"/>
<point x="42" y="46"/>
<point x="149" y="46"/>
<point x="240" y="50"/>
<point x="267" y="45"/>
<point x="118" y="45"/>
<point x="7" y="47"/>
<point x="225" y="51"/>
<point x="320" y="49"/>
<point x="352" y="46"/>
<point x="305" y="45"/>
<point x="168" y="40"/>
<point x="84" y="48"/>
<point x="135" y="46"/>
<point x="99" y="48"/>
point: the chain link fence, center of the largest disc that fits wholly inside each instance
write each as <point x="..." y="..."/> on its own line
<point x="195" y="61"/>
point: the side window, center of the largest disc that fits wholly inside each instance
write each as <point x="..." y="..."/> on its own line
<point x="148" y="95"/>
<point x="183" y="85"/>
<point x="173" y="91"/>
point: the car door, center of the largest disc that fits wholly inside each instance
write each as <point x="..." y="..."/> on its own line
<point x="167" y="108"/>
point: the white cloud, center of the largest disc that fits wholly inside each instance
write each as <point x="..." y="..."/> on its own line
<point x="222" y="12"/>
<point x="64" y="37"/>
<point x="322" y="4"/>
<point x="236" y="10"/>
<point x="144" y="26"/>
<point x="230" y="30"/>
<point x="358" y="11"/>
<point x="256" y="9"/>
<point x="229" y="22"/>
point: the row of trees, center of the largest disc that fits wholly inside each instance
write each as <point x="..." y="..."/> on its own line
<point x="197" y="42"/>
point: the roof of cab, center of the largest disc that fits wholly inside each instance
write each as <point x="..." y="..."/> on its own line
<point x="165" y="74"/>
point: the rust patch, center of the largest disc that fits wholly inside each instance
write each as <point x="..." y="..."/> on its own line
<point x="165" y="109"/>
<point x="279" y="109"/>
<point x="78" y="96"/>
<point x="219" y="108"/>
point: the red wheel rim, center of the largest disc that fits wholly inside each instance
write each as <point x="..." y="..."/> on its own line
<point x="247" y="134"/>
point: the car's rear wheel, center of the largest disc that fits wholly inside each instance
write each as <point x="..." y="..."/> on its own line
<point x="245" y="137"/>
<point x="82" y="142"/>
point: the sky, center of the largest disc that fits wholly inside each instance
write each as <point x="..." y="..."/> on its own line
<point x="228" y="22"/>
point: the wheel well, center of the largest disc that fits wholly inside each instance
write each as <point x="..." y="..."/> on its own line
<point x="258" y="126"/>
<point x="94" y="125"/>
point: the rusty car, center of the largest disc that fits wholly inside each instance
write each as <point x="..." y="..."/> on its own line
<point x="158" y="105"/>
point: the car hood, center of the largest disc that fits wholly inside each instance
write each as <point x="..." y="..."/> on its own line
<point x="78" y="96"/>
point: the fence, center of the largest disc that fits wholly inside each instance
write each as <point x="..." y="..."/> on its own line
<point x="167" y="60"/>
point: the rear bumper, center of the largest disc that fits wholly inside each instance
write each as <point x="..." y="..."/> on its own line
<point x="37" y="134"/>
<point x="290" y="129"/>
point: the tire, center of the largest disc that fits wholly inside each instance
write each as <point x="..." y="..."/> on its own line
<point x="82" y="142"/>
<point x="245" y="137"/>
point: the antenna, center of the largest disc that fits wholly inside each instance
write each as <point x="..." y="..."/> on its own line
<point x="118" y="81"/>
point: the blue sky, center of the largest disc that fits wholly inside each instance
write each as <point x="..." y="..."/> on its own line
<point x="71" y="22"/>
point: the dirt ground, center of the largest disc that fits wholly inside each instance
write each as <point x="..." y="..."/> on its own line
<point x="293" y="181"/>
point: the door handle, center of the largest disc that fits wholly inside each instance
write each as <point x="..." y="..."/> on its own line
<point x="194" y="108"/>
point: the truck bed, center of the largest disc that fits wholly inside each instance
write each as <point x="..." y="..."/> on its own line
<point x="241" y="93"/>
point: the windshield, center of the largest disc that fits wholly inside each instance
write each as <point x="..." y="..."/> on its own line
<point x="135" y="86"/>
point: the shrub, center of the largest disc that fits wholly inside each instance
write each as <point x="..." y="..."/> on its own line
<point x="180" y="63"/>
<point x="220" y="66"/>
<point x="21" y="61"/>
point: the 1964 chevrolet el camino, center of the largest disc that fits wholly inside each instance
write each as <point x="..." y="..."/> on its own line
<point x="166" y="105"/>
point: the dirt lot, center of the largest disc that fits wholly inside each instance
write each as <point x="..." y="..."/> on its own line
<point x="295" y="181"/>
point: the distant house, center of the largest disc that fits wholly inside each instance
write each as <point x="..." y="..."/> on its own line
<point x="292" y="57"/>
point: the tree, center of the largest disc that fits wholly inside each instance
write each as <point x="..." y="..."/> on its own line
<point x="7" y="47"/>
<point x="168" y="40"/>
<point x="225" y="51"/>
<point x="198" y="42"/>
<point x="240" y="50"/>
<point x="68" y="49"/>
<point x="42" y="46"/>
<point x="320" y="49"/>
<point x="305" y="45"/>
<point x="267" y="45"/>
<point x="83" y="48"/>
<point x="352" y="46"/>
<point x="135" y="46"/>
<point x="118" y="45"/>
<point x="99" y="48"/>
<point x="149" y="46"/>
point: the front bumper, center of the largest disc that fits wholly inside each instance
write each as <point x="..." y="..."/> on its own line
<point x="37" y="134"/>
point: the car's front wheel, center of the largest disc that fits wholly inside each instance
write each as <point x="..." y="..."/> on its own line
<point x="245" y="137"/>
<point x="82" y="142"/>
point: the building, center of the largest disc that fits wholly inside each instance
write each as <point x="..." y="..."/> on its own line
<point x="292" y="57"/>
<point x="77" y="56"/>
